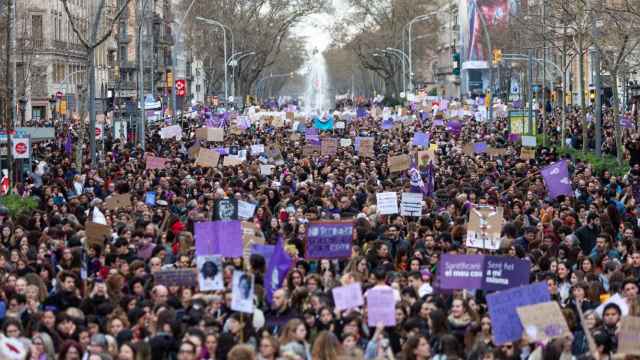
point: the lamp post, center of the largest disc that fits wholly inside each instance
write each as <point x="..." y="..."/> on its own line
<point x="224" y="40"/>
<point x="174" y="56"/>
<point x="403" y="59"/>
<point x="409" y="26"/>
<point x="234" y="60"/>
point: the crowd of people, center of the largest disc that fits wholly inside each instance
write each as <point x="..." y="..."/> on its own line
<point x="64" y="297"/>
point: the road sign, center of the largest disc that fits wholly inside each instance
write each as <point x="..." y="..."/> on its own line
<point x="20" y="147"/>
<point x="181" y="86"/>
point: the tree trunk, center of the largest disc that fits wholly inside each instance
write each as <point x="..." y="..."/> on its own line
<point x="616" y="120"/>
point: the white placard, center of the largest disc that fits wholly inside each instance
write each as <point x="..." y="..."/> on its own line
<point x="173" y="131"/>
<point x="242" y="292"/>
<point x="246" y="210"/>
<point x="266" y="170"/>
<point x="340" y="125"/>
<point x="529" y="141"/>
<point x="387" y="203"/>
<point x="345" y="142"/>
<point x="411" y="204"/>
<point x="257" y="149"/>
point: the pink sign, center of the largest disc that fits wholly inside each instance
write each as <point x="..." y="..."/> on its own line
<point x="154" y="162"/>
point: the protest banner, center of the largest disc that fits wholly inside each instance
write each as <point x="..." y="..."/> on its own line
<point x="398" y="163"/>
<point x="118" y="201"/>
<point x="411" y="204"/>
<point x="381" y="306"/>
<point x="629" y="336"/>
<point x="460" y="271"/>
<point x="426" y="156"/>
<point x="218" y="238"/>
<point x="503" y="305"/>
<point x="347" y="297"/>
<point x="543" y="322"/>
<point x="96" y="234"/>
<point x="207" y="158"/>
<point x="246" y="210"/>
<point x="504" y="272"/>
<point x="329" y="240"/>
<point x="176" y="277"/>
<point x="150" y="198"/>
<point x="485" y="225"/>
<point x="194" y="150"/>
<point x="154" y="162"/>
<point x="556" y="179"/>
<point x="329" y="147"/>
<point x="387" y="203"/>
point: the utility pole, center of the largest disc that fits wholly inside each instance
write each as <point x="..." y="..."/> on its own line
<point x="530" y="86"/>
<point x="563" y="119"/>
<point x="597" y="83"/>
<point x="142" y="121"/>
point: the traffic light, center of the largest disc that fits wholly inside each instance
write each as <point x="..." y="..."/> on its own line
<point x="456" y="64"/>
<point x="497" y="56"/>
<point x="592" y="94"/>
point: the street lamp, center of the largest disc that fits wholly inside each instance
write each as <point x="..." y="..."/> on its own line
<point x="224" y="40"/>
<point x="234" y="60"/>
<point x="174" y="56"/>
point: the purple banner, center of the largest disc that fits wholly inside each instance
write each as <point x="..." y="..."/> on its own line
<point x="489" y="273"/>
<point x="218" y="238"/>
<point x="421" y="139"/>
<point x="329" y="240"/>
<point x="556" y="178"/>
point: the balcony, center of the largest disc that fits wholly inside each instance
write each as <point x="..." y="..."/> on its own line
<point x="59" y="45"/>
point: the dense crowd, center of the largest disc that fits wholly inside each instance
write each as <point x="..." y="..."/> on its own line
<point x="65" y="297"/>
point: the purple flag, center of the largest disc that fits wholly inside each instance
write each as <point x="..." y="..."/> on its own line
<point x="430" y="183"/>
<point x="514" y="138"/>
<point x="454" y="127"/>
<point x="68" y="145"/>
<point x="556" y="178"/>
<point x="424" y="116"/>
<point x="421" y="139"/>
<point x="277" y="269"/>
<point x="480" y="148"/>
<point x="219" y="238"/>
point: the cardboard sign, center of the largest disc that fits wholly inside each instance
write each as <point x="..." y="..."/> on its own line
<point x="118" y="201"/>
<point x="485" y="225"/>
<point x="231" y="160"/>
<point x="96" y="234"/>
<point x="310" y="149"/>
<point x="210" y="134"/>
<point x="155" y="162"/>
<point x="398" y="163"/>
<point x="496" y="152"/>
<point x="329" y="147"/>
<point x="629" y="336"/>
<point x="387" y="203"/>
<point x="527" y="154"/>
<point x="193" y="151"/>
<point x="207" y="158"/>
<point x="366" y="147"/>
<point x="543" y="322"/>
<point x="425" y="156"/>
<point x="176" y="277"/>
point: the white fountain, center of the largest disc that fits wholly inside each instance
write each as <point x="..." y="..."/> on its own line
<point x="316" y="95"/>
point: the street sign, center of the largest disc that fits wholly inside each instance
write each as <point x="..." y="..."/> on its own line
<point x="181" y="86"/>
<point x="20" y="148"/>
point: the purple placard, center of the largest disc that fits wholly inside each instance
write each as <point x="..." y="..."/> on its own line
<point x="438" y="122"/>
<point x="505" y="322"/>
<point x="311" y="131"/>
<point x="361" y="112"/>
<point x="329" y="240"/>
<point x="460" y="271"/>
<point x="421" y="139"/>
<point x="480" y="148"/>
<point x="556" y="178"/>
<point x="387" y="124"/>
<point x="219" y="238"/>
<point x="514" y="138"/>
<point x="381" y="306"/>
<point x="454" y="127"/>
<point x="347" y="297"/>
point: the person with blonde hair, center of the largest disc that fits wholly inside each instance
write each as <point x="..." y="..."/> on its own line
<point x="242" y="352"/>
<point x="294" y="339"/>
<point x="327" y="347"/>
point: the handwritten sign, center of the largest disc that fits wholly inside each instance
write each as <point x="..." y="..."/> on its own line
<point x="210" y="134"/>
<point x="543" y="322"/>
<point x="329" y="147"/>
<point x="246" y="209"/>
<point x="398" y="163"/>
<point x="207" y="158"/>
<point x="387" y="203"/>
<point x="118" y="201"/>
<point x="348" y="297"/>
<point x="629" y="336"/>
<point x="381" y="306"/>
<point x="503" y="309"/>
<point x="97" y="234"/>
<point x="411" y="204"/>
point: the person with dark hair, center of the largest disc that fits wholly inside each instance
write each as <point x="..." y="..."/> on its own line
<point x="611" y="316"/>
<point x="416" y="348"/>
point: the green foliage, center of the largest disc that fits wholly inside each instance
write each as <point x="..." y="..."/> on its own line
<point x="599" y="163"/>
<point x="17" y="205"/>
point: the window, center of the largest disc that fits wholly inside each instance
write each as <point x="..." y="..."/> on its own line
<point x="36" y="30"/>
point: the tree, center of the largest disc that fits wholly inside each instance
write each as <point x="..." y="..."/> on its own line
<point x="379" y="24"/>
<point x="260" y="26"/>
<point x="95" y="39"/>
